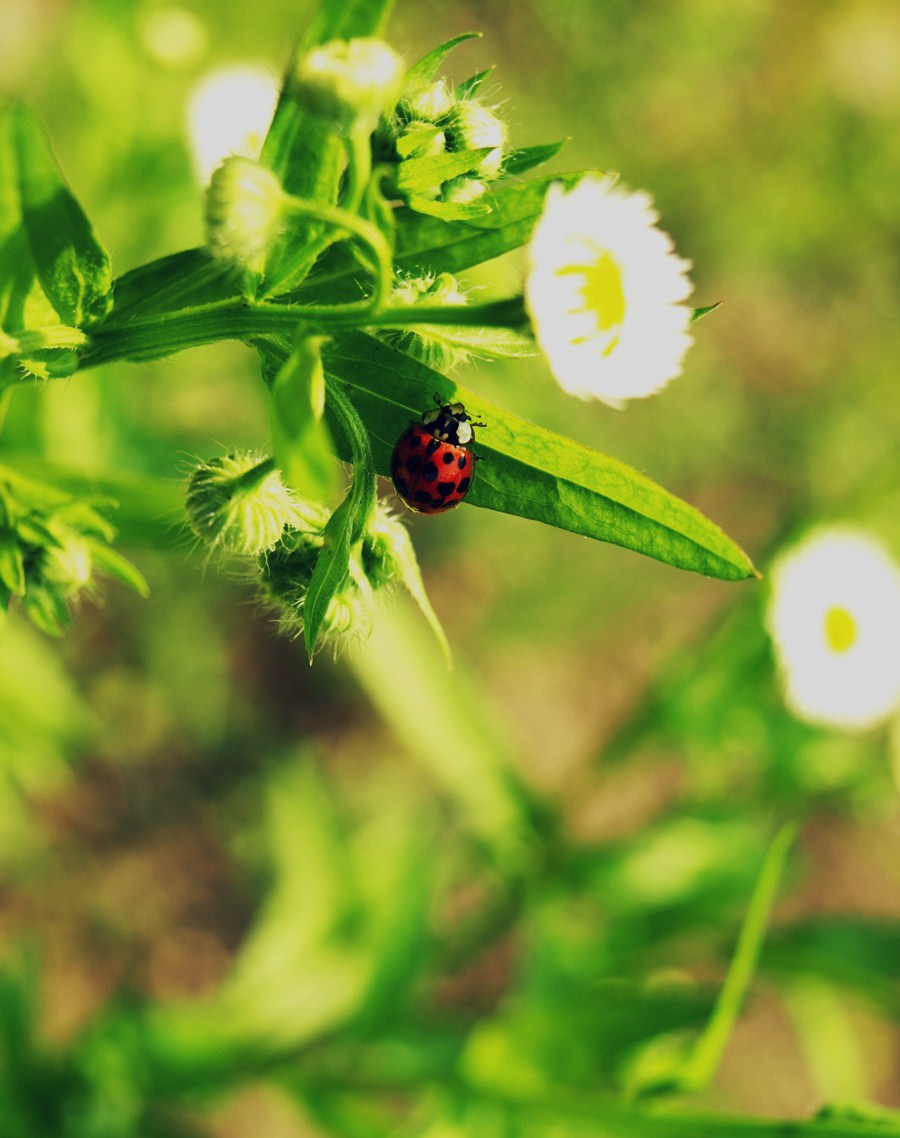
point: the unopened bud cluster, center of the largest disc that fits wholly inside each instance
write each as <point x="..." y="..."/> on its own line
<point x="50" y="548"/>
<point x="432" y="120"/>
<point x="241" y="506"/>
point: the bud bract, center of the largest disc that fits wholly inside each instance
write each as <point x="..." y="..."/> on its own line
<point x="349" y="81"/>
<point x="245" y="205"/>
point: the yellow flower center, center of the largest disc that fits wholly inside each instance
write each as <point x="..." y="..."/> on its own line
<point x="840" y="629"/>
<point x="604" y="295"/>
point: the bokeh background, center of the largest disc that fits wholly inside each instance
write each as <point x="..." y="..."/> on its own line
<point x="240" y="894"/>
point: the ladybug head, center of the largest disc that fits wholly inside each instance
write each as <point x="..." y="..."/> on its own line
<point x="450" y="423"/>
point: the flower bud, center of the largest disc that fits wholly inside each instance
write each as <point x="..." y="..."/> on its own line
<point x="428" y="104"/>
<point x="349" y="82"/>
<point x="67" y="567"/>
<point x="463" y="190"/>
<point x="241" y="505"/>
<point x="244" y="209"/>
<point x="431" y="345"/>
<point x="471" y="125"/>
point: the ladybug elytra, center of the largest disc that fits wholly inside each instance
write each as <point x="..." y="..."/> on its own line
<point x="432" y="467"/>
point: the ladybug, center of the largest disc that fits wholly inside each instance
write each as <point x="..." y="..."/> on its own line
<point x="432" y="467"/>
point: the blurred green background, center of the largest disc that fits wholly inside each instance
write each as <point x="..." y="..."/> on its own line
<point x="242" y="895"/>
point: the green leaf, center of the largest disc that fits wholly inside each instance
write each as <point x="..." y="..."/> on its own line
<point x="699" y="313"/>
<point x="23" y="304"/>
<point x="428" y="66"/>
<point x="411" y="576"/>
<point x="346" y="524"/>
<point x="521" y="161"/>
<point x="532" y="472"/>
<point x="187" y="279"/>
<point x="346" y="19"/>
<point x="303" y="447"/>
<point x="113" y="564"/>
<point x="72" y="266"/>
<point x="471" y="86"/>
<point x="12" y="568"/>
<point x="449" y="211"/>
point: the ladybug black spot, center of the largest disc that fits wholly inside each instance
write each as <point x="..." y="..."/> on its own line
<point x="429" y="472"/>
<point x="461" y="462"/>
<point x="448" y="458"/>
<point x="423" y="496"/>
<point x="432" y="447"/>
<point x="446" y="488"/>
<point x="464" y="484"/>
<point x="413" y="463"/>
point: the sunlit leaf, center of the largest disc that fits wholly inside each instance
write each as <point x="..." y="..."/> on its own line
<point x="532" y="472"/>
<point x="73" y="267"/>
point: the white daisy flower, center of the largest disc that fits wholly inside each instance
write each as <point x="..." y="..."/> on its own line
<point x="230" y="112"/>
<point x="604" y="290"/>
<point x="834" y="616"/>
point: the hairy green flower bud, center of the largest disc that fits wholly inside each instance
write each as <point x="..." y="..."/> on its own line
<point x="429" y="104"/>
<point x="463" y="190"/>
<point x="240" y="504"/>
<point x="245" y="205"/>
<point x="471" y="125"/>
<point x="349" y="82"/>
<point x="430" y="344"/>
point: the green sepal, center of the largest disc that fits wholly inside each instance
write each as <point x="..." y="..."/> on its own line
<point x="346" y="525"/>
<point x="301" y="440"/>
<point x="522" y="161"/>
<point x="47" y="611"/>
<point x="411" y="575"/>
<point x="72" y="265"/>
<point x="425" y="173"/>
<point x="110" y="562"/>
<point x="470" y="87"/>
<point x="699" y="313"/>
<point x="12" y="567"/>
<point x="428" y="66"/>
<point x="532" y="472"/>
<point x="449" y="211"/>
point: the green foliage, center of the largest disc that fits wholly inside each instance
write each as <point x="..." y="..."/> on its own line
<point x="530" y="897"/>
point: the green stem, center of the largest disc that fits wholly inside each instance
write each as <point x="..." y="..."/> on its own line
<point x="703" y="1062"/>
<point x="243" y="320"/>
<point x="370" y="235"/>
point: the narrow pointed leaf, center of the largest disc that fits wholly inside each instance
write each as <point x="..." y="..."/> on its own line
<point x="699" y="313"/>
<point x="428" y="66"/>
<point x="302" y="444"/>
<point x="532" y="472"/>
<point x="72" y="265"/>
<point x="12" y="568"/>
<point x="521" y="161"/>
<point x="110" y="562"/>
<point x="471" y="86"/>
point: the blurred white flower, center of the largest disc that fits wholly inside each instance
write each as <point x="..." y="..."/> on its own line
<point x="834" y="616"/>
<point x="229" y="113"/>
<point x="604" y="290"/>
